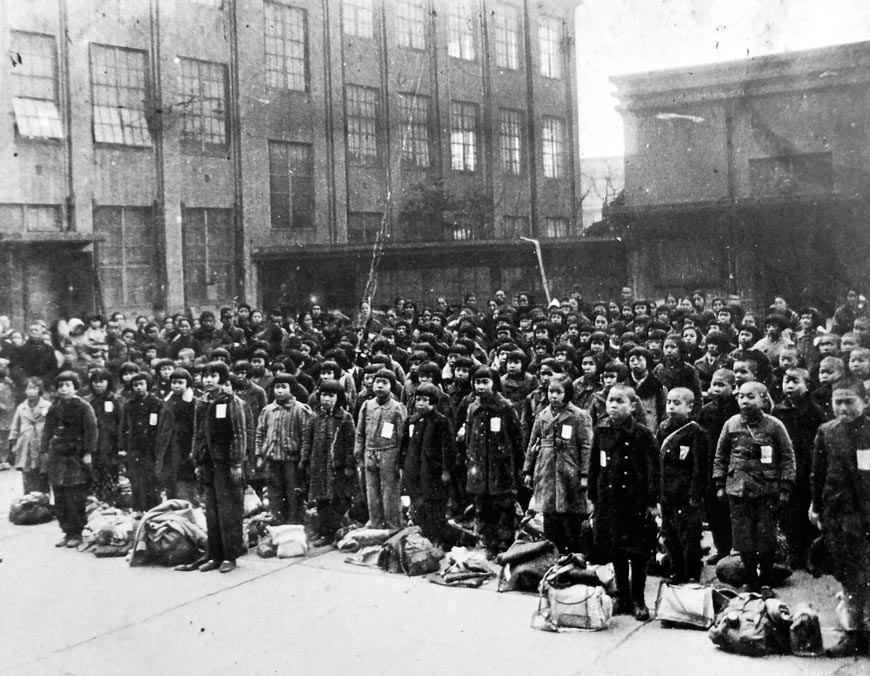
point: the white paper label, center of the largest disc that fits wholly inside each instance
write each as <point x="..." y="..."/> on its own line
<point x="220" y="411"/>
<point x="109" y="406"/>
<point x="495" y="424"/>
<point x="864" y="459"/>
<point x="684" y="452"/>
<point x="602" y="459"/>
<point x="566" y="431"/>
<point x="387" y="430"/>
<point x="766" y="455"/>
<point x="411" y="430"/>
<point x="152" y="419"/>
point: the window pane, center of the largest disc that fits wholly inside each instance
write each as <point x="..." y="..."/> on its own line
<point x="415" y="129"/>
<point x="358" y="18"/>
<point x="411" y="24"/>
<point x="203" y="102"/>
<point x="510" y="134"/>
<point x="550" y="41"/>
<point x="33" y="66"/>
<point x="119" y="96"/>
<point x="507" y="39"/>
<point x="461" y="30"/>
<point x="362" y="123"/>
<point x="553" y="147"/>
<point x="463" y="136"/>
<point x="286" y="66"/>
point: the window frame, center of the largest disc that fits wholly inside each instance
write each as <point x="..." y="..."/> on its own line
<point x="285" y="57"/>
<point x="117" y="86"/>
<point x="553" y="147"/>
<point x="299" y="185"/>
<point x="357" y="154"/>
<point x="506" y="24"/>
<point x="405" y="25"/>
<point x="31" y="109"/>
<point x="462" y="38"/>
<point x="209" y="260"/>
<point x="124" y="267"/>
<point x="459" y="113"/>
<point x="506" y="163"/>
<point x="551" y="36"/>
<point x="419" y="136"/>
<point x="351" y="24"/>
<point x="199" y="143"/>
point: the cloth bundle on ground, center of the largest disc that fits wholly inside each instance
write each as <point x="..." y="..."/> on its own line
<point x="730" y="570"/>
<point x="690" y="605"/>
<point x="524" y="564"/>
<point x="753" y="624"/>
<point x="290" y="540"/>
<point x="109" y="532"/>
<point x="169" y="534"/>
<point x="406" y="551"/>
<point x="355" y="540"/>
<point x="465" y="568"/>
<point x="31" y="509"/>
<point x="257" y="527"/>
<point x="564" y="605"/>
<point x="252" y="502"/>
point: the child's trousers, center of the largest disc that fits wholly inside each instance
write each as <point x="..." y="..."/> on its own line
<point x="563" y="530"/>
<point x="382" y="488"/>
<point x="681" y="531"/>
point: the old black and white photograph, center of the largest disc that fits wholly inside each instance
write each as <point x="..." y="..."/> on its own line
<point x="312" y="310"/>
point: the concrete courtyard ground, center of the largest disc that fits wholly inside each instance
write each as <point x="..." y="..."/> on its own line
<point x="68" y="613"/>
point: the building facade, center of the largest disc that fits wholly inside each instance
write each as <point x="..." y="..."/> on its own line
<point x="176" y="154"/>
<point x="750" y="178"/>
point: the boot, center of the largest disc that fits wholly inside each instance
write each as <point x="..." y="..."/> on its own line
<point x="750" y="572"/>
<point x="765" y="576"/>
<point x="851" y="643"/>
<point x="638" y="588"/>
<point x="621" y="603"/>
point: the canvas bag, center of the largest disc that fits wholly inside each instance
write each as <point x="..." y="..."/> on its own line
<point x="805" y="633"/>
<point x="290" y="540"/>
<point x="685" y="605"/>
<point x="751" y="625"/>
<point x="579" y="607"/>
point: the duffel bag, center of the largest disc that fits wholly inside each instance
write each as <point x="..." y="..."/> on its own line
<point x="752" y="625"/>
<point x="685" y="605"/>
<point x="31" y="509"/>
<point x="580" y="607"/>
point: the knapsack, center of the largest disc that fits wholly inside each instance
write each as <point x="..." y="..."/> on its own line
<point x="30" y="509"/>
<point x="805" y="633"/>
<point x="753" y="625"/>
<point x="407" y="551"/>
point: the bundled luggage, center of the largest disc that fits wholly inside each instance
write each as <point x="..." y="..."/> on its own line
<point x="564" y="605"/>
<point x="31" y="509"/>
<point x="169" y="534"/>
<point x="754" y="625"/>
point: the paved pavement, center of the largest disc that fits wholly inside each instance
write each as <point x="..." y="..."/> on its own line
<point x="68" y="613"/>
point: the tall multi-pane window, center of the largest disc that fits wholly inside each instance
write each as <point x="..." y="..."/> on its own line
<point x="126" y="255"/>
<point x="357" y="18"/>
<point x="410" y="24"/>
<point x="291" y="185"/>
<point x="463" y="136"/>
<point x="286" y="54"/>
<point x="511" y="140"/>
<point x="460" y="30"/>
<point x="203" y="99"/>
<point x="553" y="147"/>
<point x="119" y="94"/>
<point x="550" y="41"/>
<point x="415" y="129"/>
<point x="208" y="242"/>
<point x="507" y="37"/>
<point x="33" y="84"/>
<point x="362" y="124"/>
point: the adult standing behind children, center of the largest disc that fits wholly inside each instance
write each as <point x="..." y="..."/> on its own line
<point x="754" y="470"/>
<point x="69" y="440"/>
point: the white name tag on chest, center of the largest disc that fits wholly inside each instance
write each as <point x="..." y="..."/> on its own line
<point x="411" y="430"/>
<point x="863" y="459"/>
<point x="566" y="431"/>
<point x="152" y="419"/>
<point x="387" y="430"/>
<point x="602" y="459"/>
<point x="109" y="406"/>
<point x="766" y="455"/>
<point x="684" y="452"/>
<point x="495" y="424"/>
<point x="220" y="411"/>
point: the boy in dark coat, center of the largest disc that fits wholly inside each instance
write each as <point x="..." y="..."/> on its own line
<point x="219" y="451"/>
<point x="327" y="457"/>
<point x="802" y="419"/>
<point x="624" y="489"/>
<point x="684" y="483"/>
<point x="721" y="407"/>
<point x="173" y="465"/>
<point x="426" y="456"/>
<point x="69" y="441"/>
<point x="109" y="411"/>
<point x="494" y="457"/>
<point x="841" y="503"/>
<point x="138" y="439"/>
<point x="673" y="371"/>
<point x="754" y="469"/>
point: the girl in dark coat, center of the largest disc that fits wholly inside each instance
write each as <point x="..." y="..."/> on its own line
<point x="327" y="455"/>
<point x="624" y="489"/>
<point x="426" y="455"/>
<point x="109" y="410"/>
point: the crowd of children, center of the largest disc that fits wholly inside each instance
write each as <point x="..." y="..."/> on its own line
<point x="606" y="417"/>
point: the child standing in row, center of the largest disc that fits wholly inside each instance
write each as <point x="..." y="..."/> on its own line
<point x="25" y="437"/>
<point x="557" y="465"/>
<point x="624" y="489"/>
<point x="684" y="482"/>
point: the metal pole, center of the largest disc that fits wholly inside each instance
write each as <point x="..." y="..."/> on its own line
<point x="540" y="265"/>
